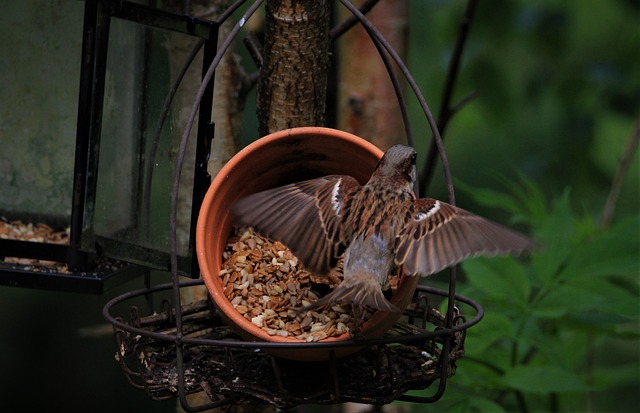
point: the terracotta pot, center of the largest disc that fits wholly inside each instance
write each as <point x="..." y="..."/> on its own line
<point x="274" y="160"/>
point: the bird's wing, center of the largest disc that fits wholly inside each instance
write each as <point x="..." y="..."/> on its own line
<point x="305" y="216"/>
<point x="438" y="235"/>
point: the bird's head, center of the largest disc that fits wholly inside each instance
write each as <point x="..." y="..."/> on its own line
<point x="398" y="164"/>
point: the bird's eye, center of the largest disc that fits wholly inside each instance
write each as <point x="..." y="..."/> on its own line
<point x="413" y="158"/>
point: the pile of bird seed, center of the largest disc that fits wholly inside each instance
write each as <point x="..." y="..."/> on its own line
<point x="264" y="281"/>
<point x="38" y="232"/>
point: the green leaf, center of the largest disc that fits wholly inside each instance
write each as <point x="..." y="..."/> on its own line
<point x="543" y="380"/>
<point x="614" y="251"/>
<point x="606" y="324"/>
<point x="491" y="198"/>
<point x="493" y="327"/>
<point x="565" y="299"/>
<point x="525" y="199"/>
<point x="555" y="234"/>
<point x="529" y="195"/>
<point x="615" y="298"/>
<point x="502" y="278"/>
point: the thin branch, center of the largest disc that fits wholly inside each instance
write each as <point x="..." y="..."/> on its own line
<point x="446" y="111"/>
<point x="616" y="185"/>
<point x="464" y="102"/>
<point x="252" y="43"/>
<point x="350" y="21"/>
<point x="485" y="363"/>
<point x="229" y="11"/>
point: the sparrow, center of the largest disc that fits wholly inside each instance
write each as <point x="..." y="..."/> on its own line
<point x="376" y="227"/>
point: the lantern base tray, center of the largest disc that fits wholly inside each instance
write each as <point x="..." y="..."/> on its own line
<point x="107" y="273"/>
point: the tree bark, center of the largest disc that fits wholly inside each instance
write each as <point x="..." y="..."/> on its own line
<point x="292" y="86"/>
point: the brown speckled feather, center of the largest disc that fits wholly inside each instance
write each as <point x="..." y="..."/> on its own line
<point x="438" y="235"/>
<point x="305" y="216"/>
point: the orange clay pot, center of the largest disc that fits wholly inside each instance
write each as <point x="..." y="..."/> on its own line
<point x="277" y="159"/>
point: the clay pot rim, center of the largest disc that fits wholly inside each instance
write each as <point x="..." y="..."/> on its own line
<point x="292" y="132"/>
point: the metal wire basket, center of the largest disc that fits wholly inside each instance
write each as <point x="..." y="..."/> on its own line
<point x="204" y="354"/>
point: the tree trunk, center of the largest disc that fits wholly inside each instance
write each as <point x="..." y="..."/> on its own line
<point x="292" y="87"/>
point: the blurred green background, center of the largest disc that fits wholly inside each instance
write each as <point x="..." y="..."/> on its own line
<point x="558" y="91"/>
<point x="558" y="88"/>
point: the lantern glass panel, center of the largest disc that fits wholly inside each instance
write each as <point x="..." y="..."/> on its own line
<point x="131" y="209"/>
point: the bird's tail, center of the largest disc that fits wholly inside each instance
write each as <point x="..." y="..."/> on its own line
<point x="355" y="289"/>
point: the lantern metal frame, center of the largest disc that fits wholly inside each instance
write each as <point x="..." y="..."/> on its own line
<point x="89" y="258"/>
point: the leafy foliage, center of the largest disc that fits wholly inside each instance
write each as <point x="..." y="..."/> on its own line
<point x="557" y="92"/>
<point x="551" y="319"/>
<point x="557" y="100"/>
